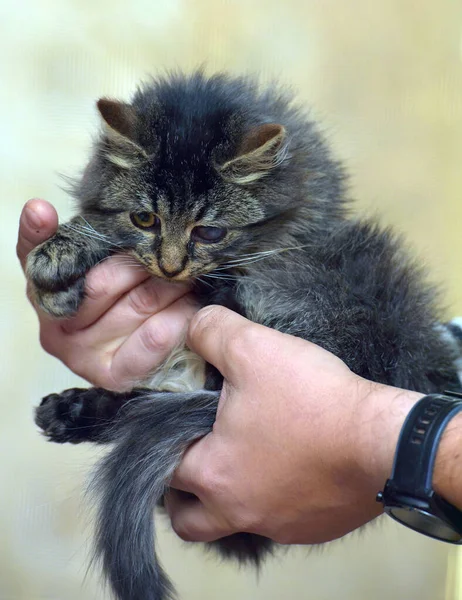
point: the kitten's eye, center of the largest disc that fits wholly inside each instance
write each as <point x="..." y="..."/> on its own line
<point x="145" y="220"/>
<point x="208" y="235"/>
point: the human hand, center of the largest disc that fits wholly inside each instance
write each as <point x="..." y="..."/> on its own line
<point x="300" y="446"/>
<point x="128" y="322"/>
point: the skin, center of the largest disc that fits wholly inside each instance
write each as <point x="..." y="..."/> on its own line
<point x="297" y="454"/>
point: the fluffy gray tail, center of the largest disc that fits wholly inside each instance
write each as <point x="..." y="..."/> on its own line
<point x="132" y="479"/>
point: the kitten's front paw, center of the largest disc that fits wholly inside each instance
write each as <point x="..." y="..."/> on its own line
<point x="56" y="264"/>
<point x="61" y="416"/>
<point x="56" y="271"/>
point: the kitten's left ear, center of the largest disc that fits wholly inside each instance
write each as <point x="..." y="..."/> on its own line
<point x="120" y="123"/>
<point x="261" y="150"/>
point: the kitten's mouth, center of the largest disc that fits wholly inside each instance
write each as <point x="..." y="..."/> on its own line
<point x="184" y="274"/>
<point x="153" y="268"/>
<point x="180" y="277"/>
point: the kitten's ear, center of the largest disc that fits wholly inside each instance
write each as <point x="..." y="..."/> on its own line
<point x="120" y="126"/>
<point x="262" y="149"/>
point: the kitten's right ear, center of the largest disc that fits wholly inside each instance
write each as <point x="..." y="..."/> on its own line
<point x="120" y="123"/>
<point x="262" y="149"/>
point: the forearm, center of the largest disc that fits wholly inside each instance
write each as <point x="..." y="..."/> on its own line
<point x="381" y="419"/>
<point x="447" y="476"/>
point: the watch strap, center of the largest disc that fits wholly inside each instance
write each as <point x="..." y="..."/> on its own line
<point x="418" y="442"/>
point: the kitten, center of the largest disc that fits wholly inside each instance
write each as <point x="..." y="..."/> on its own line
<point x="213" y="181"/>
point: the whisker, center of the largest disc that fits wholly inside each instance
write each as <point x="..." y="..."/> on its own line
<point x="247" y="259"/>
<point x="90" y="226"/>
<point x="214" y="275"/>
<point x="273" y="251"/>
<point x="204" y="282"/>
<point x="91" y="233"/>
<point x="240" y="263"/>
<point x="103" y="259"/>
<point x="134" y="265"/>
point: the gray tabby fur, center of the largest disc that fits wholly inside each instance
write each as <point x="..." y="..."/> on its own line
<point x="218" y="152"/>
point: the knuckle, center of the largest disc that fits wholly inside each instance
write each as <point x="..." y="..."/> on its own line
<point x="46" y="340"/>
<point x="242" y="519"/>
<point x="143" y="299"/>
<point x="156" y="338"/>
<point x="183" y="529"/>
<point x="112" y="378"/>
<point x="99" y="284"/>
<point x="207" y="319"/>
<point x="108" y="380"/>
<point x="216" y="485"/>
<point x="211" y="481"/>
<point x="241" y="346"/>
<point x="54" y="344"/>
<point x="95" y="369"/>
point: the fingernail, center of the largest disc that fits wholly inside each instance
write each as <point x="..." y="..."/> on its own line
<point x="33" y="218"/>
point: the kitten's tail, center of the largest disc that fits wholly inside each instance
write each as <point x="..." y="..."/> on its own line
<point x="132" y="479"/>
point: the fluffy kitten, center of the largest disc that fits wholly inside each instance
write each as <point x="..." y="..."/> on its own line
<point x="214" y="181"/>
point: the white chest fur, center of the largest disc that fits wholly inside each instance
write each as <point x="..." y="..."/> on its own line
<point x="182" y="371"/>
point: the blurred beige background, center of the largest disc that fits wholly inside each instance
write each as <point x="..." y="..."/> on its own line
<point x="385" y="78"/>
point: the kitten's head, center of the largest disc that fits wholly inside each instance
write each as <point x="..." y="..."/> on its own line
<point x="197" y="171"/>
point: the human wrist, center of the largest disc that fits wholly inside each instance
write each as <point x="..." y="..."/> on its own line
<point x="381" y="413"/>
<point x="386" y="409"/>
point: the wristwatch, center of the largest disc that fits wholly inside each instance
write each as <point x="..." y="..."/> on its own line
<point x="408" y="496"/>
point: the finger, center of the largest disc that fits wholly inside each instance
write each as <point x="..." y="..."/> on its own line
<point x="124" y="317"/>
<point x="38" y="222"/>
<point x="108" y="359"/>
<point x="105" y="284"/>
<point x="220" y="336"/>
<point x="191" y="520"/>
<point x="147" y="347"/>
<point x="187" y="477"/>
<point x="131" y="293"/>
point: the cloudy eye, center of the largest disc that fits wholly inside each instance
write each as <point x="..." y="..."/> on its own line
<point x="145" y="220"/>
<point x="208" y="235"/>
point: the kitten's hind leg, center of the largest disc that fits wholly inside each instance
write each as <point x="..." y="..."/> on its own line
<point x="83" y="415"/>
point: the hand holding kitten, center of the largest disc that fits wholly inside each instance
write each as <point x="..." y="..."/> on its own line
<point x="127" y="323"/>
<point x="300" y="447"/>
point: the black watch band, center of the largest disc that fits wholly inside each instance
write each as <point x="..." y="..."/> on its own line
<point x="408" y="496"/>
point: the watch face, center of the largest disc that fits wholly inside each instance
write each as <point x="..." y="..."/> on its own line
<point x="424" y="522"/>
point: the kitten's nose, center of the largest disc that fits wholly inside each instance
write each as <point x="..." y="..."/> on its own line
<point x="168" y="270"/>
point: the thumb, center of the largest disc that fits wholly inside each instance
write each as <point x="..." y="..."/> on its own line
<point x="218" y="334"/>
<point x="38" y="222"/>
